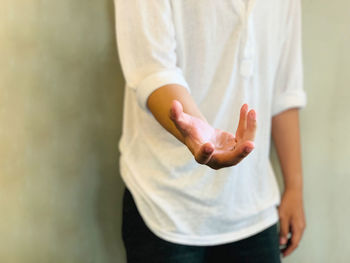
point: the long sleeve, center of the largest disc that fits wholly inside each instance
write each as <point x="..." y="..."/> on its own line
<point x="288" y="90"/>
<point x="147" y="46"/>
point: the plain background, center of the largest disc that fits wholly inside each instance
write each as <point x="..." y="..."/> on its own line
<point x="61" y="91"/>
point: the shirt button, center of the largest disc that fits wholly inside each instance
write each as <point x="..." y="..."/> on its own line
<point x="248" y="51"/>
<point x="246" y="68"/>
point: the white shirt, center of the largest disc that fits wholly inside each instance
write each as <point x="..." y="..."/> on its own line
<point x="226" y="53"/>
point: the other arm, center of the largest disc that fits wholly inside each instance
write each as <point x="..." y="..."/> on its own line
<point x="286" y="136"/>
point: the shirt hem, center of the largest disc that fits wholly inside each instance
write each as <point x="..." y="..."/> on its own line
<point x="215" y="239"/>
<point x="207" y="240"/>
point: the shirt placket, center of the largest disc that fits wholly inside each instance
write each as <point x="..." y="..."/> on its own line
<point x="244" y="8"/>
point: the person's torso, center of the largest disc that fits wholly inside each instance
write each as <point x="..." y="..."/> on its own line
<point x="227" y="60"/>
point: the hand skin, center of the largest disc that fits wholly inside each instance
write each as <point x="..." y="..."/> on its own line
<point x="286" y="136"/>
<point x="175" y="110"/>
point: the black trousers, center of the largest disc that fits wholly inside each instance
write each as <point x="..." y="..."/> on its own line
<point x="142" y="246"/>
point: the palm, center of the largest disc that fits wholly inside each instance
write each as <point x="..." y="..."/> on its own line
<point x="214" y="147"/>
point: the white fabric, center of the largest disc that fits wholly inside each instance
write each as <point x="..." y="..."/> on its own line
<point x="225" y="53"/>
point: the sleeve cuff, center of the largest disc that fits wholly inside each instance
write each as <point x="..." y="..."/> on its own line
<point x="155" y="81"/>
<point x="289" y="101"/>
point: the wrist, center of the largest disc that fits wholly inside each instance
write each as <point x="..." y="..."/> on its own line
<point x="293" y="190"/>
<point x="293" y="181"/>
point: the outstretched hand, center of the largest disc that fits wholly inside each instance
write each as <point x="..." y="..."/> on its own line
<point x="214" y="147"/>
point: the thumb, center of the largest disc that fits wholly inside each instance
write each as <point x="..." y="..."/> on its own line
<point x="205" y="152"/>
<point x="284" y="229"/>
<point x="177" y="115"/>
<point x="176" y="110"/>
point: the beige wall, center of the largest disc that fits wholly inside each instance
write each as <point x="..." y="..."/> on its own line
<point x="60" y="114"/>
<point x="60" y="117"/>
<point x="326" y="132"/>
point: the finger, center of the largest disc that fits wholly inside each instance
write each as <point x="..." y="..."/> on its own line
<point x="295" y="239"/>
<point x="284" y="230"/>
<point x="179" y="118"/>
<point x="230" y="158"/>
<point x="251" y="126"/>
<point x="205" y="152"/>
<point x="242" y="124"/>
<point x="176" y="110"/>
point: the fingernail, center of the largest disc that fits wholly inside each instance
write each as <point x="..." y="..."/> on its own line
<point x="253" y="115"/>
<point x="208" y="149"/>
<point x="283" y="240"/>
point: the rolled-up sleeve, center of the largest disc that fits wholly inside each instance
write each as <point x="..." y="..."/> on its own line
<point x="288" y="90"/>
<point x="147" y="46"/>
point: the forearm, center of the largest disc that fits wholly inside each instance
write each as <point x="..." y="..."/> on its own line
<point x="159" y="103"/>
<point x="286" y="136"/>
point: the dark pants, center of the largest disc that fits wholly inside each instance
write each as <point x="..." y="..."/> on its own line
<point x="142" y="246"/>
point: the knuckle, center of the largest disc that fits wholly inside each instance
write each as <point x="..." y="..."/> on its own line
<point x="300" y="226"/>
<point x="254" y="124"/>
<point x="303" y="226"/>
<point x="294" y="243"/>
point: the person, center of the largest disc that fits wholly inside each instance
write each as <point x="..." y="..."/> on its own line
<point x="208" y="84"/>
